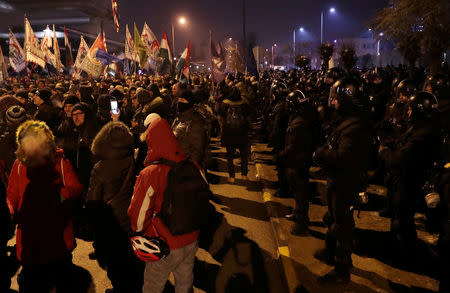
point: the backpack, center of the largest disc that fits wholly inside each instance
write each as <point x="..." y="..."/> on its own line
<point x="235" y="118"/>
<point x="186" y="198"/>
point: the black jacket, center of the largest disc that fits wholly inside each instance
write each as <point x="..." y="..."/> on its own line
<point x="113" y="176"/>
<point x="234" y="137"/>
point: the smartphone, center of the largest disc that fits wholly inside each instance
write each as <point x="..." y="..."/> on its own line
<point x="114" y="107"/>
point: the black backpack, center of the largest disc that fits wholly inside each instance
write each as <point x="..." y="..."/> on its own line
<point x="186" y="198"/>
<point x="235" y="118"/>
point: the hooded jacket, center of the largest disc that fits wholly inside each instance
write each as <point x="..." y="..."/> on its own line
<point x="151" y="183"/>
<point x="113" y="176"/>
<point x="36" y="199"/>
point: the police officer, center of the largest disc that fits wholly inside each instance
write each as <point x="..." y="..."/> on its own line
<point x="408" y="161"/>
<point x="301" y="139"/>
<point x="277" y="135"/>
<point x="345" y="158"/>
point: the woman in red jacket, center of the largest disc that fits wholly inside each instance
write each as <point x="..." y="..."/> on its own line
<point x="40" y="185"/>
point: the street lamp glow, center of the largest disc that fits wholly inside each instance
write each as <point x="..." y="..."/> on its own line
<point x="302" y="29"/>
<point x="182" y="20"/>
<point x="274" y="45"/>
<point x="332" y="10"/>
<point x="370" y="29"/>
<point x="381" y="34"/>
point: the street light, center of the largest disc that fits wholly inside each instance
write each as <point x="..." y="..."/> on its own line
<point x="332" y="10"/>
<point x="273" y="60"/>
<point x="182" y="21"/>
<point x="301" y="29"/>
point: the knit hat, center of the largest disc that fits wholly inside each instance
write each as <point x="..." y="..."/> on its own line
<point x="22" y="93"/>
<point x="45" y="94"/>
<point x="15" y="115"/>
<point x="71" y="100"/>
<point x="143" y="96"/>
<point x="116" y="93"/>
<point x="150" y="118"/>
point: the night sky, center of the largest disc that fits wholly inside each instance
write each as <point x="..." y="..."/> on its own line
<point x="268" y="21"/>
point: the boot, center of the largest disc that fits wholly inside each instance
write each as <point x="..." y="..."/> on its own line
<point x="300" y="230"/>
<point x="325" y="255"/>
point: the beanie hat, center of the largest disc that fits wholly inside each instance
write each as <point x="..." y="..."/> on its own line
<point x="83" y="107"/>
<point x="116" y="93"/>
<point x="71" y="100"/>
<point x="22" y="93"/>
<point x="150" y="118"/>
<point x="15" y="115"/>
<point x="45" y="94"/>
<point x="143" y="96"/>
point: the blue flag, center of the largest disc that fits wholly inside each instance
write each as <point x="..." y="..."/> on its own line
<point x="105" y="58"/>
<point x="252" y="67"/>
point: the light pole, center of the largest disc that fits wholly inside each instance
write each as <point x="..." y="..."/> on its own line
<point x="332" y="10"/>
<point x="294" y="41"/>
<point x="273" y="60"/>
<point x="181" y="21"/>
<point x="378" y="49"/>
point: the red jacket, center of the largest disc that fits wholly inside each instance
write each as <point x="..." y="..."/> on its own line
<point x="150" y="185"/>
<point x="37" y="201"/>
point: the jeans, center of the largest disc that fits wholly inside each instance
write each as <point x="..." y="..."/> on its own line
<point x="180" y="262"/>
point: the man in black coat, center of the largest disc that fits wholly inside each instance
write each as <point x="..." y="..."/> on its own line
<point x="345" y="158"/>
<point x="301" y="138"/>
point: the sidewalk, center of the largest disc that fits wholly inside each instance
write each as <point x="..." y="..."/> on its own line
<point x="373" y="271"/>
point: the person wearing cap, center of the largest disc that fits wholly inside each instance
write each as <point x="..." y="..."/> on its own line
<point x="25" y="102"/>
<point x="46" y="112"/>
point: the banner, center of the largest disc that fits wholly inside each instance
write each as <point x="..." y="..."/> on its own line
<point x="69" y="58"/>
<point x="56" y="53"/>
<point x="16" y="54"/>
<point x="139" y="48"/>
<point x="115" y="15"/>
<point x="183" y="64"/>
<point x="3" y="67"/>
<point x="218" y="62"/>
<point x="130" y="53"/>
<point x="33" y="52"/>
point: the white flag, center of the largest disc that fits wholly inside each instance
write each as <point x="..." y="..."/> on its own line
<point x="3" y="67"/>
<point x="33" y="52"/>
<point x="150" y="41"/>
<point x="82" y="52"/>
<point x="56" y="61"/>
<point x="129" y="46"/>
<point x="16" y="54"/>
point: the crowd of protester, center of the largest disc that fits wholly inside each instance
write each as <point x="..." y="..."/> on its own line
<point x="71" y="166"/>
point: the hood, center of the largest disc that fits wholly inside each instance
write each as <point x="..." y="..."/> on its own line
<point x="162" y="143"/>
<point x="150" y="107"/>
<point x="113" y="142"/>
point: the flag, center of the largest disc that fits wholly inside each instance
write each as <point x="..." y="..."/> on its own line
<point x="183" y="64"/>
<point x="56" y="53"/>
<point x="104" y="40"/>
<point x="150" y="41"/>
<point x="69" y="58"/>
<point x="47" y="39"/>
<point x="166" y="54"/>
<point x="218" y="62"/>
<point x="113" y="69"/>
<point x="16" y="54"/>
<point x="252" y="68"/>
<point x="33" y="52"/>
<point x="105" y="58"/>
<point x="115" y="15"/>
<point x="139" y="48"/>
<point x="3" y="67"/>
<point x="91" y="65"/>
<point x="129" y="46"/>
<point x="83" y="49"/>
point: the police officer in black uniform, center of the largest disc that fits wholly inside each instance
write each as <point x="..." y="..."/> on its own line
<point x="301" y="139"/>
<point x="345" y="157"/>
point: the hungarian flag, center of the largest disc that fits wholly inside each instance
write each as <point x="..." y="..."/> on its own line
<point x="69" y="58"/>
<point x="218" y="62"/>
<point x="16" y="54"/>
<point x="104" y="40"/>
<point x="3" y="67"/>
<point x="130" y="53"/>
<point x="115" y="15"/>
<point x="139" y="48"/>
<point x="183" y="64"/>
<point x="56" y="53"/>
<point x="83" y="50"/>
<point x="166" y="54"/>
<point x="33" y="52"/>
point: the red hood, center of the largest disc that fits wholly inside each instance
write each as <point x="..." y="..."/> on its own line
<point x="162" y="143"/>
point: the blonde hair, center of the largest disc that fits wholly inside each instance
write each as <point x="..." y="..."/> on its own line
<point x="34" y="137"/>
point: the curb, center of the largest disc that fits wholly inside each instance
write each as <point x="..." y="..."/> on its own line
<point x="283" y="250"/>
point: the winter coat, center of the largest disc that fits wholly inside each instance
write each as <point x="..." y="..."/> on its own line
<point x="37" y="199"/>
<point x="191" y="132"/>
<point x="234" y="137"/>
<point x="151" y="183"/>
<point x="112" y="178"/>
<point x="279" y="120"/>
<point x="8" y="148"/>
